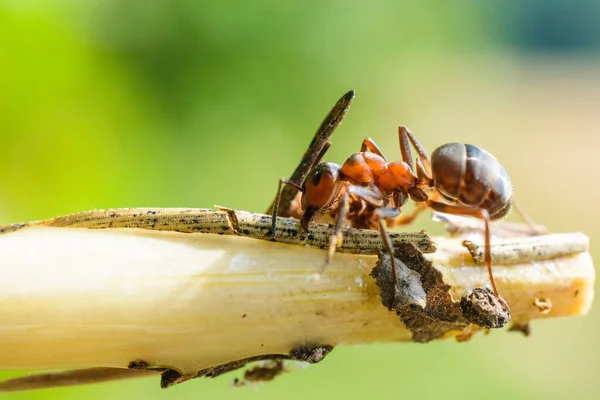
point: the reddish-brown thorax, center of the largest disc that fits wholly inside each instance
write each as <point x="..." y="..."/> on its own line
<point x="372" y="170"/>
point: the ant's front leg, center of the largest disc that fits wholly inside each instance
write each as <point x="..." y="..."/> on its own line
<point x="363" y="193"/>
<point x="282" y="181"/>
<point x="336" y="237"/>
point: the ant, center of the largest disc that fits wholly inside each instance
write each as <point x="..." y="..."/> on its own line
<point x="459" y="179"/>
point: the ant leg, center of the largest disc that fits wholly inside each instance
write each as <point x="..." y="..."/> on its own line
<point x="336" y="237"/>
<point x="423" y="173"/>
<point x="407" y="218"/>
<point x="361" y="192"/>
<point x="372" y="197"/>
<point x="276" y="203"/>
<point x="404" y="136"/>
<point x="370" y="144"/>
<point x="477" y="213"/>
<point x="384" y="214"/>
<point x="533" y="227"/>
<point x="405" y="147"/>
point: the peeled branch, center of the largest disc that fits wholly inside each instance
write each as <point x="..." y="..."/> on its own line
<point x="188" y="305"/>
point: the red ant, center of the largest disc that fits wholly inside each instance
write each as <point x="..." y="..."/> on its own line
<point x="460" y="179"/>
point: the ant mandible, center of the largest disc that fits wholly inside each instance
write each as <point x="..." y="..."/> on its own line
<point x="460" y="179"/>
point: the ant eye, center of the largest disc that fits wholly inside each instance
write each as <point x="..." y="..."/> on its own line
<point x="316" y="178"/>
<point x="324" y="174"/>
<point x="322" y="186"/>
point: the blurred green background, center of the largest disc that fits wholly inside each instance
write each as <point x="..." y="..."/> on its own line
<point x="117" y="103"/>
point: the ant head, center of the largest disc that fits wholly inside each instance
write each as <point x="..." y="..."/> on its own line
<point x="321" y="187"/>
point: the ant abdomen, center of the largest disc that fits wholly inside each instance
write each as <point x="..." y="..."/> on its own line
<point x="468" y="175"/>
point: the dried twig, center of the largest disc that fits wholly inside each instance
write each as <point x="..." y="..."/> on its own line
<point x="225" y="221"/>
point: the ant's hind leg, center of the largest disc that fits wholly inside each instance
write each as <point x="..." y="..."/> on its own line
<point x="282" y="181"/>
<point x="423" y="165"/>
<point x="477" y="213"/>
<point x="534" y="228"/>
<point x="409" y="217"/>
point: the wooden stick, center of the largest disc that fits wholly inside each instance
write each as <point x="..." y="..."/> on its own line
<point x="225" y="221"/>
<point x="200" y="304"/>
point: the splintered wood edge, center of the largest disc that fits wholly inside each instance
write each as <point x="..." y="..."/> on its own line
<point x="188" y="303"/>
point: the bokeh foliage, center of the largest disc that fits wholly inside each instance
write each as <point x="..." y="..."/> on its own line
<point x="193" y="103"/>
